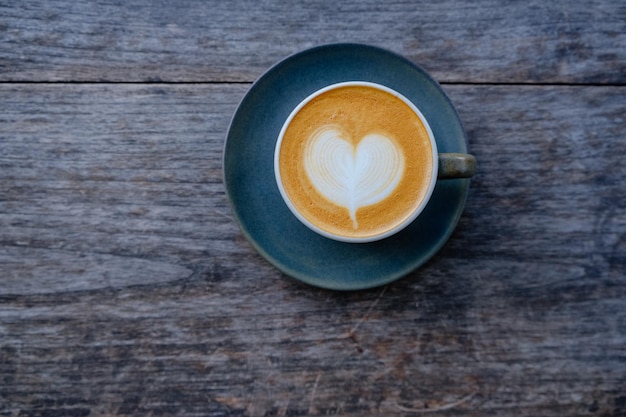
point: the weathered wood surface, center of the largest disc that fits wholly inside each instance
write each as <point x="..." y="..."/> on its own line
<point x="194" y="40"/>
<point x="127" y="289"/>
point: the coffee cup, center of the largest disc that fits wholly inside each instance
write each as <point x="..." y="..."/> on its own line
<point x="357" y="162"/>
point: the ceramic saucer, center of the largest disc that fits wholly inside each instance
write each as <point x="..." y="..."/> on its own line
<point x="256" y="202"/>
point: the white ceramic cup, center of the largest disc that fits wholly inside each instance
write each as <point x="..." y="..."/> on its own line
<point x="453" y="166"/>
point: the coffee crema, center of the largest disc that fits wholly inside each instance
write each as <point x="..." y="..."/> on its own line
<point x="355" y="161"/>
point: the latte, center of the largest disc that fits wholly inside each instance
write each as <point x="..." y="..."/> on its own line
<point x="356" y="161"/>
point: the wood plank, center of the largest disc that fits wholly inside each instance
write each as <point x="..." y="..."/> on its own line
<point x="199" y="41"/>
<point x="127" y="289"/>
<point x="112" y="172"/>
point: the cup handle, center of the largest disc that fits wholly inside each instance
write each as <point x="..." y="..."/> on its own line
<point x="456" y="165"/>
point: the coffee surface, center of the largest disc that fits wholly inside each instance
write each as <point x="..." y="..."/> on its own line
<point x="356" y="161"/>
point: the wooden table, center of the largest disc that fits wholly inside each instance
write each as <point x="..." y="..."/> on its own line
<point x="126" y="287"/>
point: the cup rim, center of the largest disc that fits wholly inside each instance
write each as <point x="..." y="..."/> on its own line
<point x="362" y="239"/>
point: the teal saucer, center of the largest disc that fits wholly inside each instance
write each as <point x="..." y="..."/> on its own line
<point x="255" y="199"/>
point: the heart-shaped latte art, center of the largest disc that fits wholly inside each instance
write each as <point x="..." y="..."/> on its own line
<point x="353" y="176"/>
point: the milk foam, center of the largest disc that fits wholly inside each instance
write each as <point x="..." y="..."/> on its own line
<point x="353" y="176"/>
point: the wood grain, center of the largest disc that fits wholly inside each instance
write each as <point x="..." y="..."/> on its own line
<point x="127" y="288"/>
<point x="196" y="41"/>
